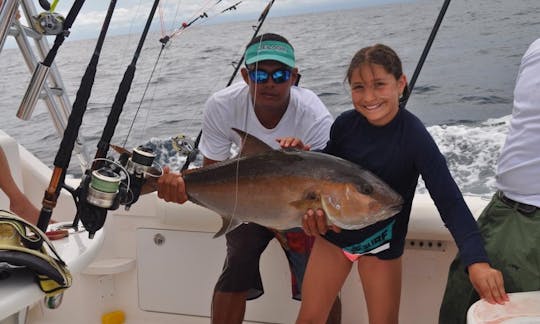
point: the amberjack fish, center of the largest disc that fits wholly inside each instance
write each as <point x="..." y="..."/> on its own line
<point x="274" y="188"/>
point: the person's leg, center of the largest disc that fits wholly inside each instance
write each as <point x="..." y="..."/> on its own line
<point x="381" y="280"/>
<point x="228" y="307"/>
<point x="297" y="246"/>
<point x="325" y="274"/>
<point x="240" y="279"/>
<point x="459" y="295"/>
<point x="334" y="317"/>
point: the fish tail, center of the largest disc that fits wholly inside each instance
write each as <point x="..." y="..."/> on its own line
<point x="228" y="224"/>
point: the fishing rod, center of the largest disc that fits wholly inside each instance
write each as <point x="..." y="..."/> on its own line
<point x="63" y="156"/>
<point x="425" y="52"/>
<point x="60" y="28"/>
<point x="193" y="149"/>
<point x="109" y="184"/>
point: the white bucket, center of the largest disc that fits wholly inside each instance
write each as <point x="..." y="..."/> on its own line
<point x="523" y="308"/>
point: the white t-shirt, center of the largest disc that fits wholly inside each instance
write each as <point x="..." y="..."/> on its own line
<point x="518" y="170"/>
<point x="306" y="118"/>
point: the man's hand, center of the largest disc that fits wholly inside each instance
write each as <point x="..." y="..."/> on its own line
<point x="171" y="187"/>
<point x="292" y="142"/>
<point x="488" y="282"/>
<point x="314" y="223"/>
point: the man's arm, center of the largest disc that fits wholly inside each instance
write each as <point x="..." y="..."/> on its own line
<point x="171" y="187"/>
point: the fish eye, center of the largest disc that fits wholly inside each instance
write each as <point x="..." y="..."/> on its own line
<point x="366" y="189"/>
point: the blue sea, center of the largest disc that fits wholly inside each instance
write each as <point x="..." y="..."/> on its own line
<point x="463" y="93"/>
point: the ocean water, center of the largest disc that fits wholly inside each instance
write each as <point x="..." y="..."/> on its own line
<point x="463" y="93"/>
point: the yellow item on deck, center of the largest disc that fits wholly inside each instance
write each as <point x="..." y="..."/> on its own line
<point x="116" y="317"/>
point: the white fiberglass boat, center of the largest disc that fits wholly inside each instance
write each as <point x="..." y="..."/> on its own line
<point x="158" y="262"/>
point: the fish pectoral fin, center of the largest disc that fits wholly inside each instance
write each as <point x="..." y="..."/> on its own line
<point x="228" y="224"/>
<point x="299" y="204"/>
<point x="310" y="199"/>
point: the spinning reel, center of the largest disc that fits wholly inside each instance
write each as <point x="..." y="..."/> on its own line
<point x="113" y="183"/>
<point x="49" y="23"/>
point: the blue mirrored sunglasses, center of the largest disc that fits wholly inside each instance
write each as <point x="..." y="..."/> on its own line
<point x="278" y="76"/>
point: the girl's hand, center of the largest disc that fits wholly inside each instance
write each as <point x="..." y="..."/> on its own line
<point x="292" y="142"/>
<point x="314" y="223"/>
<point x="488" y="282"/>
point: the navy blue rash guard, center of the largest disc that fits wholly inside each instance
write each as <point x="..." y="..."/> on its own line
<point x="398" y="153"/>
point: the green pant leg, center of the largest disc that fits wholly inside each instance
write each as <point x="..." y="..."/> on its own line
<point x="459" y="294"/>
<point x="512" y="242"/>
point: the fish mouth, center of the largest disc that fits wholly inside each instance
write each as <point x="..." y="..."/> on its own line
<point x="395" y="209"/>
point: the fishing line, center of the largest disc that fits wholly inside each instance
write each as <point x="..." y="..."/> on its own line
<point x="165" y="41"/>
<point x="121" y="95"/>
<point x="244" y="139"/>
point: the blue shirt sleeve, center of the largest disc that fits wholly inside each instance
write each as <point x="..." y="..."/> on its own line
<point x="448" y="199"/>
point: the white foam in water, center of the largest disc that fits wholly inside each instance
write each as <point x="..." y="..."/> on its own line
<point x="471" y="151"/>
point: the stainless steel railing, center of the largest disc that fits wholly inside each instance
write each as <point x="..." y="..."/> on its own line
<point x="52" y="91"/>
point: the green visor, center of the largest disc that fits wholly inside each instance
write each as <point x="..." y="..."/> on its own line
<point x="270" y="51"/>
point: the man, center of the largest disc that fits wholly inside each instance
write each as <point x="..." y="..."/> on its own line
<point x="269" y="106"/>
<point x="511" y="222"/>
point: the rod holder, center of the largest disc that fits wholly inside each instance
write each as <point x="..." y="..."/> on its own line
<point x="32" y="92"/>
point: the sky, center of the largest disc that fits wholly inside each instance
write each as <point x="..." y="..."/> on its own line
<point x="131" y="14"/>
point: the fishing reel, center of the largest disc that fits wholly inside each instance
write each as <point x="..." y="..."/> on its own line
<point x="112" y="184"/>
<point x="183" y="144"/>
<point x="48" y="23"/>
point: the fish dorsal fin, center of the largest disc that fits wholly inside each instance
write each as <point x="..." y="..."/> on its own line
<point x="251" y="145"/>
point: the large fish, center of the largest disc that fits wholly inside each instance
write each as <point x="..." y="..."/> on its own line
<point x="274" y="188"/>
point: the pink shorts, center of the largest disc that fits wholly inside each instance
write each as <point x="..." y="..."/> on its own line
<point x="353" y="257"/>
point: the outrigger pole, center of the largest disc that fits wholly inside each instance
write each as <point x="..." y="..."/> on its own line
<point x="63" y="156"/>
<point x="261" y="20"/>
<point x="425" y="52"/>
<point x="193" y="154"/>
<point x="42" y="69"/>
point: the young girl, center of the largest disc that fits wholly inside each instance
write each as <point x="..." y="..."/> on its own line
<point x="391" y="142"/>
